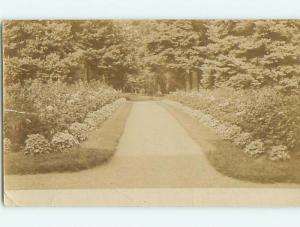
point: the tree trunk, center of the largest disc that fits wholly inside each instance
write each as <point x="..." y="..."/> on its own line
<point x="199" y="79"/>
<point x="187" y="79"/>
<point x="195" y="80"/>
<point x="103" y="79"/>
<point x="87" y="72"/>
<point x="155" y="90"/>
<point x="162" y="85"/>
<point x="168" y="76"/>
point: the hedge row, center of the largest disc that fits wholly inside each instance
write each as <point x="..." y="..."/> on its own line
<point x="77" y="132"/>
<point x="269" y="118"/>
<point x="48" y="108"/>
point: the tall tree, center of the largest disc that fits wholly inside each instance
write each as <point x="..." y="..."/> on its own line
<point x="249" y="54"/>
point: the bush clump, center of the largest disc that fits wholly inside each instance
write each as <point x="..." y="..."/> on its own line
<point x="91" y="123"/>
<point x="78" y="130"/>
<point x="255" y="148"/>
<point x="243" y="139"/>
<point x="97" y="117"/>
<point x="62" y="141"/>
<point x="228" y="131"/>
<point x="37" y="144"/>
<point x="278" y="153"/>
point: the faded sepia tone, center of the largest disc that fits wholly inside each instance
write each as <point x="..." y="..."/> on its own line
<point x="151" y="113"/>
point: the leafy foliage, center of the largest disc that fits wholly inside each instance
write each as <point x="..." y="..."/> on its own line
<point x="37" y="144"/>
<point x="240" y="54"/>
<point x="78" y="130"/>
<point x="47" y="108"/>
<point x="279" y="153"/>
<point x="255" y="148"/>
<point x="250" y="54"/>
<point x="58" y="50"/>
<point x="55" y="73"/>
<point x="259" y="115"/>
<point x="62" y="141"/>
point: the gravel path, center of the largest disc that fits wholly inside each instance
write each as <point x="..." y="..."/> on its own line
<point x="155" y="151"/>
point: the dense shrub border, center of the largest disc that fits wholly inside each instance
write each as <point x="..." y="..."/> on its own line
<point x="262" y="122"/>
<point x="51" y="107"/>
<point x="64" y="141"/>
<point x="228" y="158"/>
<point x="46" y="108"/>
<point x="79" y="158"/>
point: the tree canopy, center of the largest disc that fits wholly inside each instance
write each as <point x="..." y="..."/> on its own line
<point x="134" y="55"/>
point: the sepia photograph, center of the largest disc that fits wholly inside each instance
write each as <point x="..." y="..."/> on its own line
<point x="151" y="113"/>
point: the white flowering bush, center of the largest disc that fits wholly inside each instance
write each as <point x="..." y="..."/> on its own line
<point x="242" y="139"/>
<point x="7" y="146"/>
<point x="97" y="117"/>
<point x="52" y="106"/>
<point x="37" y="144"/>
<point x="209" y="121"/>
<point x="62" y="141"/>
<point x="243" y="116"/>
<point x="93" y="115"/>
<point x="255" y="148"/>
<point x="278" y="153"/>
<point x="78" y="130"/>
<point x="226" y="130"/>
<point x="90" y="122"/>
<point x="220" y="129"/>
<point x="231" y="132"/>
<point x="74" y="104"/>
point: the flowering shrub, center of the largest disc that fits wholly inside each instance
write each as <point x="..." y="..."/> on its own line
<point x="225" y="130"/>
<point x="232" y="132"/>
<point x="51" y="107"/>
<point x="266" y="114"/>
<point x="90" y="122"/>
<point x="62" y="141"/>
<point x="71" y="103"/>
<point x="228" y="131"/>
<point x="235" y="134"/>
<point x="75" y="133"/>
<point x="278" y="153"/>
<point x="37" y="144"/>
<point x="78" y="130"/>
<point x="243" y="139"/>
<point x="255" y="148"/>
<point x="97" y="117"/>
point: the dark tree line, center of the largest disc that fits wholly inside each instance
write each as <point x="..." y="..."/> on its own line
<point x="66" y="50"/>
<point x="189" y="54"/>
<point x="156" y="55"/>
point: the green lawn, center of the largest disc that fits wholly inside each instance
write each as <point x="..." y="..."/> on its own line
<point x="99" y="148"/>
<point x="230" y="160"/>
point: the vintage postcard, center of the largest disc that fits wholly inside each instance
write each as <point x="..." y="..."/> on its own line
<point x="202" y="113"/>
